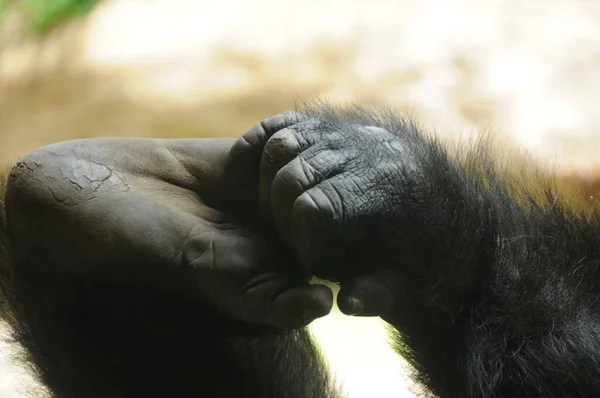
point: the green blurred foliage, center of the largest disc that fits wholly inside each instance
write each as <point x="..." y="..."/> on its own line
<point x="43" y="15"/>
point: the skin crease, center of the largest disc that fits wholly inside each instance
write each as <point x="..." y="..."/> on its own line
<point x="477" y="316"/>
<point x="481" y="294"/>
<point x="315" y="214"/>
<point x="148" y="199"/>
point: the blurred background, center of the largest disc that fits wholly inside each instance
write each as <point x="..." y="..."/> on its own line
<point x="529" y="71"/>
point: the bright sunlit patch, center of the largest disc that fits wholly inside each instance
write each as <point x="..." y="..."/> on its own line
<point x="360" y="357"/>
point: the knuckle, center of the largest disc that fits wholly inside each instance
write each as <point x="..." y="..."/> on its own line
<point x="208" y="249"/>
<point x="281" y="141"/>
<point x="296" y="175"/>
<point x="254" y="139"/>
<point x="311" y="207"/>
<point x="333" y="202"/>
<point x="280" y="147"/>
<point x="244" y="144"/>
<point x="327" y="162"/>
<point x="198" y="251"/>
<point x="306" y="204"/>
<point x="280" y="121"/>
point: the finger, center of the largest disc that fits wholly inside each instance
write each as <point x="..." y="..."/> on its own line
<point x="300" y="175"/>
<point x="246" y="152"/>
<point x="300" y="306"/>
<point x="281" y="149"/>
<point x="283" y="297"/>
<point x="253" y="141"/>
<point x="243" y="275"/>
<point x="226" y="250"/>
<point x="287" y="303"/>
<point x="368" y="295"/>
<point x="319" y="225"/>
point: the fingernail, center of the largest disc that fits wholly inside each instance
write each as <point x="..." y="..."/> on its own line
<point x="357" y="306"/>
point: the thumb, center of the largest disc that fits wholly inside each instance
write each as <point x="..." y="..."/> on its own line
<point x="252" y="278"/>
<point x="294" y="307"/>
<point x="368" y="295"/>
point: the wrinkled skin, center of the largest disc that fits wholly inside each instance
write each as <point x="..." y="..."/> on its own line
<point x="132" y="201"/>
<point x="492" y="296"/>
<point x="492" y="287"/>
<point x="330" y="194"/>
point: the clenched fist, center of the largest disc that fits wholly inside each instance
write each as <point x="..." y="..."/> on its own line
<point x="337" y="191"/>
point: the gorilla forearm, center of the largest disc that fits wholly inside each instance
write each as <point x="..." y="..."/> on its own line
<point x="500" y="284"/>
<point x="75" y="198"/>
<point x="506" y="284"/>
<point x="152" y="213"/>
<point x="102" y="298"/>
<point x="492" y="286"/>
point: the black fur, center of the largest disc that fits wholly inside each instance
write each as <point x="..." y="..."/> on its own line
<point x="88" y="339"/>
<point x="500" y="299"/>
<point x="503" y="279"/>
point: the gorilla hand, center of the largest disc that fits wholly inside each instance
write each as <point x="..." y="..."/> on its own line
<point x="492" y="285"/>
<point x="250" y="278"/>
<point x="146" y="212"/>
<point x="357" y="203"/>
